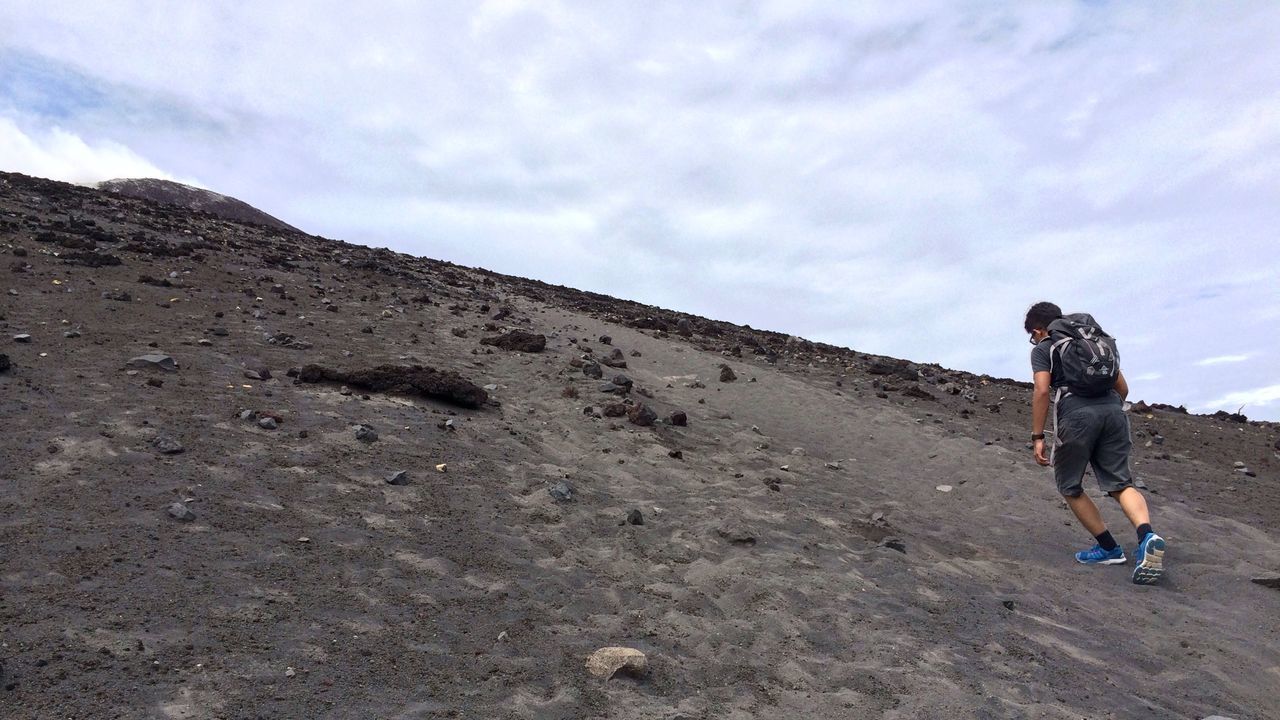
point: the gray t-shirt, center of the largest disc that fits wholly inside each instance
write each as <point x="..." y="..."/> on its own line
<point x="1040" y="363"/>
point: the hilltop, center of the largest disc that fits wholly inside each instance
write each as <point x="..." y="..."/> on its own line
<point x="203" y="516"/>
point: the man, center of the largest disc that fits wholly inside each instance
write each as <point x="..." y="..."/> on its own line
<point x="1088" y="430"/>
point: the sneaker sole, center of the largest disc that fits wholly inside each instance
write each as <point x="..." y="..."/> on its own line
<point x="1151" y="569"/>
<point x="1109" y="561"/>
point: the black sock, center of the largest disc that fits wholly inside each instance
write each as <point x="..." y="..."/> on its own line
<point x="1106" y="541"/>
<point x="1143" y="529"/>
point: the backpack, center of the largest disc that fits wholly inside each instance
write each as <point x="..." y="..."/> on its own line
<point x="1086" y="354"/>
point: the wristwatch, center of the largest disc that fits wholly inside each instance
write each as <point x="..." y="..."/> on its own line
<point x="1037" y="436"/>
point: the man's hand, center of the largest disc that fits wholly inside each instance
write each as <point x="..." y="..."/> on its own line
<point x="1039" y="450"/>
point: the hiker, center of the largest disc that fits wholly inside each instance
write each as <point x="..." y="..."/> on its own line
<point x="1076" y="362"/>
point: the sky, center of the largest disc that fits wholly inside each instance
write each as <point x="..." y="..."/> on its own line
<point x="899" y="178"/>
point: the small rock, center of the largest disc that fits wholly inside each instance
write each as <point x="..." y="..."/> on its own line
<point x="366" y="433"/>
<point x="678" y="418"/>
<point x="399" y="477"/>
<point x="561" y="492"/>
<point x="606" y="340"/>
<point x="832" y="465"/>
<point x="592" y="370"/>
<point x="944" y="488"/>
<point x="895" y="544"/>
<point x="442" y="467"/>
<point x="615" y="359"/>
<point x="635" y="517"/>
<point x="727" y="374"/>
<point x="179" y="511"/>
<point x="615" y="410"/>
<point x="4" y="363"/>
<point x="684" y="327"/>
<point x="154" y="360"/>
<point x="1139" y="484"/>
<point x="71" y="334"/>
<point x="302" y="433"/>
<point x="268" y="423"/>
<point x="877" y="517"/>
<point x="257" y="373"/>
<point x="290" y="672"/>
<point x="155" y="382"/>
<point x="22" y="338"/>
<point x="608" y="661"/>
<point x="1239" y="465"/>
<point x="612" y="389"/>
<point x="737" y="533"/>
<point x="1009" y="605"/>
<point x="676" y="454"/>
<point x="797" y="451"/>
<point x="167" y="445"/>
<point x="641" y="415"/>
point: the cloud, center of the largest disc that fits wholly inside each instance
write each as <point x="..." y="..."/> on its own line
<point x="62" y="155"/>
<point x="1262" y="397"/>
<point x="1223" y="360"/>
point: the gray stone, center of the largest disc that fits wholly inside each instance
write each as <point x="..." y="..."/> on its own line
<point x="635" y="517"/>
<point x="268" y="423"/>
<point x="727" y="374"/>
<point x="612" y="389"/>
<point x="642" y="415"/>
<point x="615" y="359"/>
<point x="154" y="360"/>
<point x="181" y="512"/>
<point x="167" y="445"/>
<point x="399" y="477"/>
<point x="22" y="338"/>
<point x="561" y="492"/>
<point x="71" y="334"/>
<point x="366" y="433"/>
<point x="592" y="370"/>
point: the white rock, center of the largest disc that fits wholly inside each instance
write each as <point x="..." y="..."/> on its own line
<point x="608" y="661"/>
<point x="944" y="488"/>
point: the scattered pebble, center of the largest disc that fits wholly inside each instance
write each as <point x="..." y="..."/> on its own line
<point x="399" y="477"/>
<point x="366" y="433"/>
<point x="167" y="445"/>
<point x="944" y="488"/>
<point x="179" y="511"/>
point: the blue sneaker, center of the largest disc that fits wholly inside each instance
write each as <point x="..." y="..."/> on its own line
<point x="1097" y="556"/>
<point x="1150" y="559"/>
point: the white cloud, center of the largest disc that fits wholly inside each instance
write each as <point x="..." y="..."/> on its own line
<point x="61" y="155"/>
<point x="1256" y="398"/>
<point x="1223" y="360"/>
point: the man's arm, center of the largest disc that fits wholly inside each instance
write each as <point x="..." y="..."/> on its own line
<point x="1040" y="412"/>
<point x="1122" y="386"/>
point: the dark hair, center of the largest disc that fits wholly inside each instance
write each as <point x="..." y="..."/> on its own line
<point x="1040" y="315"/>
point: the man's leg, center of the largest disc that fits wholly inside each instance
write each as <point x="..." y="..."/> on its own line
<point x="1134" y="506"/>
<point x="1087" y="513"/>
<point x="1111" y="465"/>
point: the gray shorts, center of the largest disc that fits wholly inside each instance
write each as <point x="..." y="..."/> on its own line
<point x="1097" y="436"/>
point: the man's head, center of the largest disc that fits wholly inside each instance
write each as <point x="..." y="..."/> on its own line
<point x="1038" y="319"/>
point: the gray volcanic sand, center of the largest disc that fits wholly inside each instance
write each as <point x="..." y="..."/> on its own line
<point x="471" y="593"/>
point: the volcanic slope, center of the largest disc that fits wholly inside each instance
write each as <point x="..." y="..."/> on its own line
<point x="799" y="555"/>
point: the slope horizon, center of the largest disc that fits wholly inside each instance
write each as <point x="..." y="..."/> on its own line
<point x="1263" y="414"/>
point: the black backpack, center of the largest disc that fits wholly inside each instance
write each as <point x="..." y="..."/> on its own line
<point x="1086" y="354"/>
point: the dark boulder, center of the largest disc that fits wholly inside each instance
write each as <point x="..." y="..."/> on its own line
<point x="404" y="379"/>
<point x="517" y="340"/>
